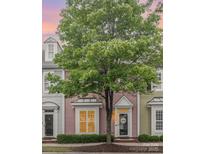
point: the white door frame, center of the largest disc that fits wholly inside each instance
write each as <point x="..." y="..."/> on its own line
<point x="55" y="120"/>
<point x="125" y="104"/>
<point x="129" y="123"/>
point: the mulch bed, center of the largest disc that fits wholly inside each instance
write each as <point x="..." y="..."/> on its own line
<point x="117" y="148"/>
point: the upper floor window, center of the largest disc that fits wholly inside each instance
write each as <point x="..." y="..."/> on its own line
<point x="159" y="86"/>
<point x="46" y="83"/>
<point x="50" y="51"/>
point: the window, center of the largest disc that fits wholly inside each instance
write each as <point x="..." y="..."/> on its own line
<point x="159" y="120"/>
<point x="159" y="86"/>
<point x="87" y="121"/>
<point x="91" y="121"/>
<point x="50" y="51"/>
<point x="159" y="76"/>
<point x="49" y="111"/>
<point x="46" y="83"/>
<point x="83" y="127"/>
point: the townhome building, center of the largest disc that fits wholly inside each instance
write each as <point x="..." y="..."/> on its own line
<point x="133" y="113"/>
<point x="52" y="104"/>
<point x="88" y="115"/>
<point x="151" y="108"/>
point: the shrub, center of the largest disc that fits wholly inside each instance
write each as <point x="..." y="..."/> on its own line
<point x="85" y="138"/>
<point x="161" y="138"/>
<point x="143" y="138"/>
<point x="154" y="138"/>
<point x="148" y="138"/>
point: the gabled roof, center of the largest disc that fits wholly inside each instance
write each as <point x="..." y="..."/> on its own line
<point x="50" y="40"/>
<point x="123" y="102"/>
<point x="54" y="38"/>
<point x="155" y="101"/>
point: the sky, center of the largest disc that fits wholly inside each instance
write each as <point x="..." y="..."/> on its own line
<point x="51" y="17"/>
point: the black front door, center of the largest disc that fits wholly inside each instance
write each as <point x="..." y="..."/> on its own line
<point x="48" y="125"/>
<point x="123" y="124"/>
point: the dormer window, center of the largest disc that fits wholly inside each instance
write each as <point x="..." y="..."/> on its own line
<point x="50" y="51"/>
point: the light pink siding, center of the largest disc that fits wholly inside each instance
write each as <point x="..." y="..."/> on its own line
<point x="69" y="117"/>
<point x="132" y="97"/>
<point x="70" y="114"/>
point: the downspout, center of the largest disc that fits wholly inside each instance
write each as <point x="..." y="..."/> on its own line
<point x="138" y="113"/>
<point x="63" y="111"/>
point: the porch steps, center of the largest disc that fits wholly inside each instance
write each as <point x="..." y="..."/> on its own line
<point x="125" y="140"/>
<point x="49" y="140"/>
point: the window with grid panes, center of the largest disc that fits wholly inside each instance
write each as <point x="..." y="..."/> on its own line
<point x="91" y="121"/>
<point x="159" y="120"/>
<point x="159" y="86"/>
<point x="87" y="122"/>
<point x="50" y="51"/>
<point x="46" y="84"/>
<point x="83" y="127"/>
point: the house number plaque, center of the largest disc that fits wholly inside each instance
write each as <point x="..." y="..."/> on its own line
<point x="123" y="120"/>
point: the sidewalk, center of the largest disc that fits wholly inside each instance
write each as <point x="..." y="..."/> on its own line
<point x="92" y="144"/>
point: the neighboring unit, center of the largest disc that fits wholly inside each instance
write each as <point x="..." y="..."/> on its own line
<point x="151" y="108"/>
<point x="52" y="104"/>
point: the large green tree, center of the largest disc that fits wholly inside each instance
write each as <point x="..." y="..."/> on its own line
<point x="108" y="47"/>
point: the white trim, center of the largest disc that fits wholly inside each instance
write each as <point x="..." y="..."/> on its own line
<point x="63" y="115"/>
<point x="86" y="104"/>
<point x="63" y="107"/>
<point x="63" y="74"/>
<point x="55" y="122"/>
<point x="49" y="105"/>
<point x="155" y="101"/>
<point x="117" y="128"/>
<point x="153" y="120"/>
<point x="55" y="50"/>
<point x="123" y="103"/>
<point x="130" y="125"/>
<point x="77" y="118"/>
<point x="138" y="114"/>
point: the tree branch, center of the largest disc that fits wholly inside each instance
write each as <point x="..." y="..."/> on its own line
<point x="98" y="93"/>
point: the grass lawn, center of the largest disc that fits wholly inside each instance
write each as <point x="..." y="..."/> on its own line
<point x="56" y="149"/>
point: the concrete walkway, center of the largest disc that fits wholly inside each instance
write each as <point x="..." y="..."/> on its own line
<point x="92" y="144"/>
<point x="70" y="145"/>
<point x="95" y="153"/>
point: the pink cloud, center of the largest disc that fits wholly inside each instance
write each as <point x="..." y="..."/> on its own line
<point x="51" y="19"/>
<point x="49" y="27"/>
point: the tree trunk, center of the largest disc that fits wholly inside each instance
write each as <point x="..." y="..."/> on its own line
<point x="108" y="105"/>
<point x="109" y="141"/>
